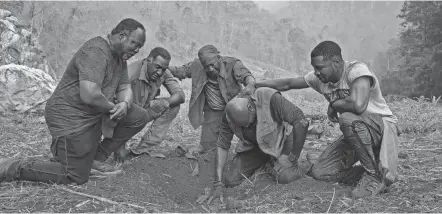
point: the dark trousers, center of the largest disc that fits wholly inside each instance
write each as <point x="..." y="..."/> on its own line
<point x="75" y="153"/>
<point x="210" y="128"/>
<point x="244" y="165"/>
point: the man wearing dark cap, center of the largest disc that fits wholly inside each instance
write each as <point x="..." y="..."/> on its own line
<point x="82" y="108"/>
<point x="271" y="130"/>
<point x="369" y="132"/>
<point x="215" y="81"/>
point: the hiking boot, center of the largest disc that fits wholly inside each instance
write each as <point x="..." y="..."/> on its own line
<point x="104" y="168"/>
<point x="122" y="154"/>
<point x="5" y="164"/>
<point x="369" y="185"/>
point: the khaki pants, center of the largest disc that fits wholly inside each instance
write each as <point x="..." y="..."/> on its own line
<point x="157" y="130"/>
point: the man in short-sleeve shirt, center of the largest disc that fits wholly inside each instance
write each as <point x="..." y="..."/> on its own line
<point x="367" y="123"/>
<point x="82" y="108"/>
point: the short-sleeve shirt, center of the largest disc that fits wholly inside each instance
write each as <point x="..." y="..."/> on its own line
<point x="65" y="113"/>
<point x="341" y="89"/>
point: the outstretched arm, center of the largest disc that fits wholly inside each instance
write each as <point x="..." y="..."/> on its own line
<point x="283" y="84"/>
<point x="177" y="96"/>
<point x="285" y="111"/>
<point x="224" y="141"/>
<point x="181" y="72"/>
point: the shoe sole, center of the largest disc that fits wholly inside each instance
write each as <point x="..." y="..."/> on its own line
<point x="96" y="172"/>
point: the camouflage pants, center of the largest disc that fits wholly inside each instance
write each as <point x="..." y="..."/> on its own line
<point x="361" y="141"/>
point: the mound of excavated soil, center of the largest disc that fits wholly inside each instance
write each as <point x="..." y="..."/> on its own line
<point x="163" y="184"/>
<point x="167" y="185"/>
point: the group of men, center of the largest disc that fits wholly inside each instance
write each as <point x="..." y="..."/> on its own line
<point x="101" y="102"/>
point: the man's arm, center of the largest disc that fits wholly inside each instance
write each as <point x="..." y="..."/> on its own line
<point x="283" y="84"/>
<point x="92" y="64"/>
<point x="177" y="96"/>
<point x="223" y="143"/>
<point x="124" y="94"/>
<point x="181" y="72"/>
<point x="285" y="111"/>
<point x="357" y="102"/>
<point x="242" y="74"/>
<point x="90" y="94"/>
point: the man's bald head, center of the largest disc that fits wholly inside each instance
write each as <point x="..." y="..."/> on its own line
<point x="238" y="112"/>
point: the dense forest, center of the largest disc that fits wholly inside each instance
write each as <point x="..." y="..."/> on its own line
<point x="397" y="39"/>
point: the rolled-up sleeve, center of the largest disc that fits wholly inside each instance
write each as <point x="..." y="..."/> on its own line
<point x="283" y="110"/>
<point x="241" y="72"/>
<point x="181" y="72"/>
<point x="171" y="83"/>
<point x="225" y="134"/>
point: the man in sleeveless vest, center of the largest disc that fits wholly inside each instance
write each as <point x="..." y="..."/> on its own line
<point x="82" y="108"/>
<point x="215" y="81"/>
<point x="271" y="130"/>
<point x="146" y="77"/>
<point x="370" y="134"/>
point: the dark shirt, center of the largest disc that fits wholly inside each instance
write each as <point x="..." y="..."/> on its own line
<point x="281" y="110"/>
<point x="65" y="113"/>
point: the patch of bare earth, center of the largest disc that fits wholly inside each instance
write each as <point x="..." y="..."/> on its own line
<point x="151" y="184"/>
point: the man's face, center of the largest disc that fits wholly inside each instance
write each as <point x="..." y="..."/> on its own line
<point x="212" y="65"/>
<point x="324" y="69"/>
<point x="131" y="43"/>
<point x="156" y="67"/>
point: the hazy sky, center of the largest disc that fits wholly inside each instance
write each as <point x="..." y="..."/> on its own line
<point x="272" y="6"/>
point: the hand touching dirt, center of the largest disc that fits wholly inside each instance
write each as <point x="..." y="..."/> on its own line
<point x="216" y="191"/>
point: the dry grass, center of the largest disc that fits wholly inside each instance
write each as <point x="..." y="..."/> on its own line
<point x="418" y="190"/>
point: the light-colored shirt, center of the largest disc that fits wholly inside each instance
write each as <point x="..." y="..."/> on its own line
<point x="341" y="89"/>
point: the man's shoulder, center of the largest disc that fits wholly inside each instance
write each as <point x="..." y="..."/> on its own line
<point x="230" y="59"/>
<point x="97" y="43"/>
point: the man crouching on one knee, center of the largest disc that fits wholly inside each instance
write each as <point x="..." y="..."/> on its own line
<point x="261" y="122"/>
<point x="146" y="77"/>
<point x="369" y="131"/>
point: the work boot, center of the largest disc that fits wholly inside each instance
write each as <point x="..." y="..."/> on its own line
<point x="105" y="168"/>
<point x="122" y="154"/>
<point x="5" y="164"/>
<point x="369" y="185"/>
<point x="351" y="176"/>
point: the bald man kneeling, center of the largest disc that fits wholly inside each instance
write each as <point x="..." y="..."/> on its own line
<point x="261" y="122"/>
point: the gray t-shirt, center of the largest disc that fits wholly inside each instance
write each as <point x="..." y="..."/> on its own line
<point x="65" y="113"/>
<point x="341" y="89"/>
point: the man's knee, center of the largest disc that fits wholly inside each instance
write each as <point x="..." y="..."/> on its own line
<point x="78" y="178"/>
<point x="317" y="173"/>
<point x="137" y="116"/>
<point x="174" y="111"/>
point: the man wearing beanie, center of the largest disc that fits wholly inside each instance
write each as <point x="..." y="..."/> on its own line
<point x="215" y="81"/>
<point x="262" y="122"/>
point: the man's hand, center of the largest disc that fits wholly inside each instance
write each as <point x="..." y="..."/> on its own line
<point x="332" y="114"/>
<point x="159" y="105"/>
<point x="211" y="194"/>
<point x="119" y="111"/>
<point x="248" y="90"/>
